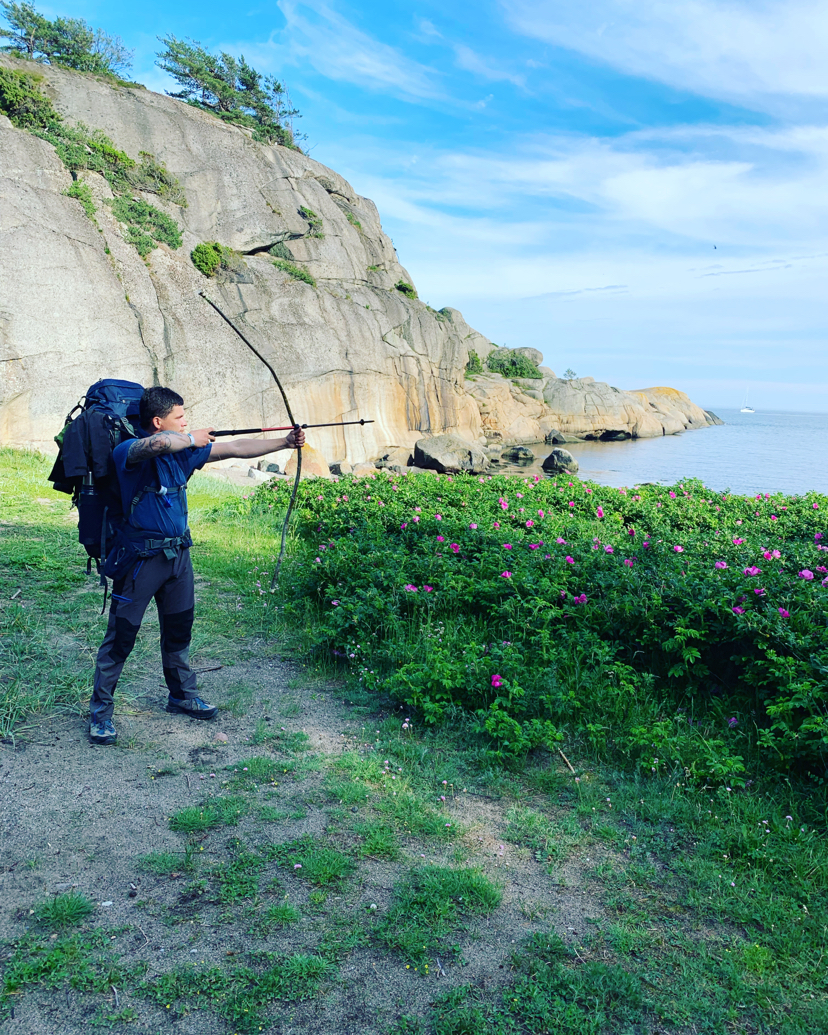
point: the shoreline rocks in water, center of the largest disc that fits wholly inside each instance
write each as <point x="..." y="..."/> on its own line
<point x="560" y="461"/>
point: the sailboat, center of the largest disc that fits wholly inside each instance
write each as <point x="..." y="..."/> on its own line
<point x="746" y="407"/>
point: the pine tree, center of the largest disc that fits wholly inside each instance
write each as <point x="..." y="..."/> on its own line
<point x="70" y="42"/>
<point x="230" y="88"/>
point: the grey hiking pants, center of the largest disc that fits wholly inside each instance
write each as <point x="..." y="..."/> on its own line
<point x="171" y="583"/>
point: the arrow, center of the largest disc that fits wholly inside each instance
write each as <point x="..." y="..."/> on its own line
<point x="288" y="427"/>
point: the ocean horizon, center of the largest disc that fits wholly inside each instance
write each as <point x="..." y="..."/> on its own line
<point x="766" y="451"/>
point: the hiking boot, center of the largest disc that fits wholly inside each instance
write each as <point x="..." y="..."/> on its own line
<point x="192" y="706"/>
<point x="102" y="732"/>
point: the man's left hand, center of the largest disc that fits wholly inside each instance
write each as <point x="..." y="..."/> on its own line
<point x="296" y="439"/>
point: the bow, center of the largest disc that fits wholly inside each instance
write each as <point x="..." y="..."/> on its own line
<point x="293" y="425"/>
<point x="288" y="427"/>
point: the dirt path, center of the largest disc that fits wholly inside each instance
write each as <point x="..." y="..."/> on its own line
<point x="77" y="817"/>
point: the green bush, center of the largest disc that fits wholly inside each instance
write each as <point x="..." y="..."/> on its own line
<point x="210" y="256"/>
<point x="81" y="192"/>
<point x="668" y="630"/>
<point x="512" y="364"/>
<point x="474" y="365"/>
<point x="146" y="226"/>
<point x="281" y="251"/>
<point x="23" y="102"/>
<point x="352" y="219"/>
<point x="406" y="289"/>
<point x="295" y="271"/>
<point x="314" y="222"/>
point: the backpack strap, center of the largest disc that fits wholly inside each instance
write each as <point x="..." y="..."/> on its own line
<point x="163" y="492"/>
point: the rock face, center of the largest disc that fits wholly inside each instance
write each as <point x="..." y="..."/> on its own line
<point x="560" y="461"/>
<point x="76" y="298"/>
<point x="449" y="454"/>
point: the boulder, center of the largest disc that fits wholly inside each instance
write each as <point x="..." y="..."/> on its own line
<point x="449" y="454"/>
<point x="560" y="461"/>
<point x="518" y="455"/>
<point x="268" y="466"/>
<point x="546" y="371"/>
<point x="712" y="418"/>
<point x="396" y="455"/>
<point x="313" y="464"/>
<point x="340" y="467"/>
<point x="364" y="470"/>
<point x="554" y="438"/>
<point x="531" y="354"/>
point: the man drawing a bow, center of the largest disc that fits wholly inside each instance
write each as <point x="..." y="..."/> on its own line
<point x="151" y="554"/>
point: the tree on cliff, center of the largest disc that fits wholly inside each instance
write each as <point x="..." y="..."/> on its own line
<point x="229" y="88"/>
<point x="70" y="42"/>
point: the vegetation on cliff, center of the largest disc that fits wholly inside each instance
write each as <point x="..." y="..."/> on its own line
<point x="69" y="42"/>
<point x="230" y="89"/>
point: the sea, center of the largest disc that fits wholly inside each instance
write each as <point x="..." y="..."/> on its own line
<point x="749" y="453"/>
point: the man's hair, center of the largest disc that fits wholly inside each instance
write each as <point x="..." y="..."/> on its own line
<point x="157" y="402"/>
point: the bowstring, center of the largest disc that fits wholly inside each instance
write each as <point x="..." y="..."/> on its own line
<point x="275" y="376"/>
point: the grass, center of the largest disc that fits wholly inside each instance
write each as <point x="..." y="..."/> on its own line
<point x="67" y="910"/>
<point x="164" y="863"/>
<point x="283" y="914"/>
<point x="430" y="904"/>
<point x="216" y="812"/>
<point x="311" y="861"/>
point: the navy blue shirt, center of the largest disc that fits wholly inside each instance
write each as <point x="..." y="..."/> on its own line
<point x="163" y="516"/>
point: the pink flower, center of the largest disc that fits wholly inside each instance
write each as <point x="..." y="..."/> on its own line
<point x="572" y="504"/>
<point x="454" y="547"/>
<point x="415" y="519"/>
<point x="784" y="613"/>
<point x="608" y="549"/>
<point x="806" y="574"/>
<point x="428" y="589"/>
<point x="472" y="526"/>
<point x="297" y="866"/>
<point x="438" y="517"/>
<point x="720" y="565"/>
<point x="630" y="531"/>
<point x="335" y="603"/>
<point x="410" y="588"/>
<point x="733" y="722"/>
<point x="537" y="546"/>
<point x="530" y="524"/>
<point x="628" y="562"/>
<point x="507" y="546"/>
<point x="441" y="538"/>
<point x="759" y="592"/>
<point x="582" y="599"/>
<point x="403" y="525"/>
<point x="816" y="506"/>
<point x="672" y="495"/>
<point x="600" y="512"/>
<point x="563" y="594"/>
<point x="542" y="515"/>
<point x="679" y="549"/>
<point x="497" y="524"/>
<point x="738" y="610"/>
<point x="817" y="537"/>
<point x="497" y="680"/>
<point x="774" y="517"/>
<point x="505" y="574"/>
<point x="561" y="542"/>
<point x="752" y="570"/>
<point x="504" y="504"/>
<point x="738" y="542"/>
<point x="569" y="560"/>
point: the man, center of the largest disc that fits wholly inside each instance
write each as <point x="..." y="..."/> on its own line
<point x="151" y="554"/>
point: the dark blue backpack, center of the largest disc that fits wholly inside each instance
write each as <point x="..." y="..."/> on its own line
<point x="108" y="415"/>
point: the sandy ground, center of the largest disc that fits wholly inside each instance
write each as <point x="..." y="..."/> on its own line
<point x="78" y="816"/>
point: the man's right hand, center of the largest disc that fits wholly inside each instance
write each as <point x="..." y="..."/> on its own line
<point x="203" y="437"/>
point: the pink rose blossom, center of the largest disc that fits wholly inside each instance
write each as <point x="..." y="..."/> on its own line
<point x="505" y="574"/>
<point x="738" y="610"/>
<point x="569" y="560"/>
<point x="720" y="565"/>
<point x="784" y="613"/>
<point x="806" y="574"/>
<point x="600" y="512"/>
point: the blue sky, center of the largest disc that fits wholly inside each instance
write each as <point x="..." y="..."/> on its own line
<point x="637" y="189"/>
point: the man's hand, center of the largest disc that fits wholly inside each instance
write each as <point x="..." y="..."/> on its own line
<point x="295" y="439"/>
<point x="203" y="437"/>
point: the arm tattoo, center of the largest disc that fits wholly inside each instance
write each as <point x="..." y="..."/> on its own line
<point x="156" y="445"/>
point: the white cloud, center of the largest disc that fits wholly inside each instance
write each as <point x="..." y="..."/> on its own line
<point x="336" y="48"/>
<point x="470" y="61"/>
<point x="734" y="49"/>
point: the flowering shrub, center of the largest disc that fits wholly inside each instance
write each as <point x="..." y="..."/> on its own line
<point x="637" y="620"/>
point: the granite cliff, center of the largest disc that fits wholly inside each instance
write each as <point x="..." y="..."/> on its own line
<point x="78" y="302"/>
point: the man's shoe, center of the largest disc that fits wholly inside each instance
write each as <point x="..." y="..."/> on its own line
<point x="192" y="706"/>
<point x="102" y="732"/>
